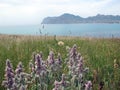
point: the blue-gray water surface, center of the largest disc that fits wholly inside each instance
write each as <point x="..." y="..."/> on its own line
<point x="87" y="30"/>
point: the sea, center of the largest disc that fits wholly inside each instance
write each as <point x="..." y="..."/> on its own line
<point x="100" y="30"/>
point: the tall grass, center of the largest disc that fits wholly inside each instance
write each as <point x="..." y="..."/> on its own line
<point x="99" y="55"/>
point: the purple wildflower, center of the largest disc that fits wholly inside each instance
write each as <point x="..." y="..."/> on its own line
<point x="80" y="68"/>
<point x="51" y="58"/>
<point x="59" y="60"/>
<point x="9" y="76"/>
<point x="38" y="64"/>
<point x="57" y="85"/>
<point x="78" y="56"/>
<point x="88" y="85"/>
<point x="40" y="67"/>
<point x="19" y="68"/>
<point x="73" y="51"/>
<point x="62" y="82"/>
<point x="8" y="63"/>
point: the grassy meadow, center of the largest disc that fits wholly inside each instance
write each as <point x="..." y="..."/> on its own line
<point x="101" y="55"/>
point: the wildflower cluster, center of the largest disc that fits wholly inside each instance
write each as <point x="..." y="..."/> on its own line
<point x="38" y="72"/>
<point x="15" y="80"/>
<point x="77" y="70"/>
<point x="54" y="65"/>
<point x="76" y="74"/>
<point x="44" y="74"/>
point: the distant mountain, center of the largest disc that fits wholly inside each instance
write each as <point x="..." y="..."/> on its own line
<point x="71" y="19"/>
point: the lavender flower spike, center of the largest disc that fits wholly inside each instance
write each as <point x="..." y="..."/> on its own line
<point x="9" y="76"/>
<point x="8" y="63"/>
<point x="19" y="68"/>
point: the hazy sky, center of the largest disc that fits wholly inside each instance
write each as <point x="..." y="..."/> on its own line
<point x="26" y="12"/>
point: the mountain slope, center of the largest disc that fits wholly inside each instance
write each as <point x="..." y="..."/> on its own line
<point x="70" y="18"/>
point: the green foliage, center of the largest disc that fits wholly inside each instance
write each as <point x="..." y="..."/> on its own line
<point x="99" y="55"/>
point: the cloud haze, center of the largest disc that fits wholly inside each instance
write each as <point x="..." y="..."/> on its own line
<point x="25" y="12"/>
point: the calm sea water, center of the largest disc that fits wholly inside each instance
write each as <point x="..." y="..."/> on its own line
<point x="93" y="30"/>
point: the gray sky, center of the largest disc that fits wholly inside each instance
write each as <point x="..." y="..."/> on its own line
<point x="27" y="12"/>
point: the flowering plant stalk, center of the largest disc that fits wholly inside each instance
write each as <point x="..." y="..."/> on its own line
<point x="43" y="73"/>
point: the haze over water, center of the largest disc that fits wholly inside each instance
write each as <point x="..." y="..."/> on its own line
<point x="87" y="30"/>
